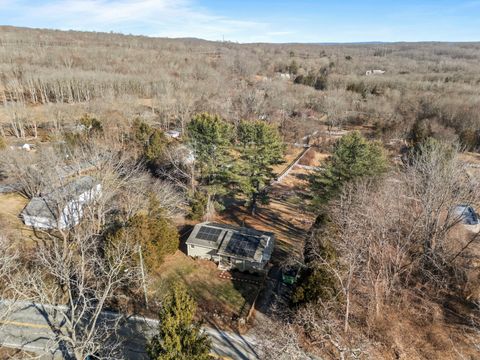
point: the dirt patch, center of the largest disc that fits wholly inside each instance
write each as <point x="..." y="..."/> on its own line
<point x="7" y="353"/>
<point x="313" y="157"/>
<point x="290" y="154"/>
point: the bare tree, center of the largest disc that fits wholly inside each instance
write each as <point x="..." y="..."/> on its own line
<point x="9" y="267"/>
<point x="72" y="283"/>
<point x="279" y="340"/>
<point x="75" y="273"/>
<point x="436" y="179"/>
<point x="178" y="167"/>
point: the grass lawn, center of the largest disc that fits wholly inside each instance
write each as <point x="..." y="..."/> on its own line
<point x="11" y="205"/>
<point x="222" y="298"/>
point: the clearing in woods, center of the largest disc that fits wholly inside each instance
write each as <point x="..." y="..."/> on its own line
<point x="287" y="214"/>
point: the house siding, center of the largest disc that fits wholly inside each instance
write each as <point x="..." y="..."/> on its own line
<point x="70" y="215"/>
<point x="202" y="252"/>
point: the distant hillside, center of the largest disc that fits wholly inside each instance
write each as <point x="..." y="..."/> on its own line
<point x="183" y="76"/>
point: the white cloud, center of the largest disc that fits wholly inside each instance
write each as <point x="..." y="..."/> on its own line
<point x="172" y="18"/>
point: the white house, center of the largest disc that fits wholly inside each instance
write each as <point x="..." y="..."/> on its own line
<point x="375" y="72"/>
<point x="62" y="208"/>
<point x="173" y="134"/>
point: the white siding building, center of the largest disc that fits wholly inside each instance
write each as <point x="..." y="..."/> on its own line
<point x="63" y="207"/>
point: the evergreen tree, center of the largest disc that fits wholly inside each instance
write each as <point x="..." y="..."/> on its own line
<point x="317" y="280"/>
<point x="155" y="147"/>
<point x="92" y="125"/>
<point x="420" y="132"/>
<point x="150" y="229"/>
<point x="293" y="68"/>
<point x="353" y="157"/>
<point x="178" y="337"/>
<point x="260" y="147"/>
<point x="210" y="138"/>
<point x="141" y="131"/>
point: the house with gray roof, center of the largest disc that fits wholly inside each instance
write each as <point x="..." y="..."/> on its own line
<point x="231" y="247"/>
<point x="63" y="207"/>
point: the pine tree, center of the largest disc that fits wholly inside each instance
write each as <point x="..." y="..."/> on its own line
<point x="141" y="131"/>
<point x="210" y="138"/>
<point x="157" y="236"/>
<point x="178" y="337"/>
<point x="353" y="157"/>
<point x="260" y="147"/>
<point x="317" y="280"/>
<point x="155" y="147"/>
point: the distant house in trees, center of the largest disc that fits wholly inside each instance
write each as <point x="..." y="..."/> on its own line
<point x="23" y="146"/>
<point x="284" y="76"/>
<point x="63" y="207"/>
<point x="375" y="72"/>
<point x="173" y="134"/>
<point x="466" y="215"/>
<point x="231" y="247"/>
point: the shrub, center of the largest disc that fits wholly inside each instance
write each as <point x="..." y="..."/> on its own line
<point x="92" y="124"/>
<point x="153" y="231"/>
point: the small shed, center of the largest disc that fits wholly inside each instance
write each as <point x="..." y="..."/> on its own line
<point x="173" y="134"/>
<point x="374" y="72"/>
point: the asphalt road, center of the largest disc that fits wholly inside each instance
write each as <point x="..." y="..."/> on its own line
<point x="27" y="328"/>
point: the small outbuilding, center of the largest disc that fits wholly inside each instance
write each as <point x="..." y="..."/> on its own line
<point x="374" y="72"/>
<point x="63" y="207"/>
<point x="240" y="248"/>
<point x="174" y="134"/>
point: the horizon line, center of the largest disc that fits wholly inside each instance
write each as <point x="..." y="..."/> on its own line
<point x="366" y="42"/>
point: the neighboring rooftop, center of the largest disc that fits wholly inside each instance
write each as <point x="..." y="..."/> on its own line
<point x="466" y="214"/>
<point x="48" y="206"/>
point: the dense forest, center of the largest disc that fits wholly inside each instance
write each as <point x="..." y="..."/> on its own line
<point x="290" y="85"/>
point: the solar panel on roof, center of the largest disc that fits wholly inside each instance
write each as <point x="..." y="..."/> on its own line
<point x="208" y="233"/>
<point x="243" y="245"/>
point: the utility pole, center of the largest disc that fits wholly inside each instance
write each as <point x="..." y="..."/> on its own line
<point x="143" y="275"/>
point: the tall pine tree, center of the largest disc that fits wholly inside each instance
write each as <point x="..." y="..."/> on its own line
<point x="260" y="147"/>
<point x="178" y="337"/>
<point x="210" y="138"/>
<point x="353" y="157"/>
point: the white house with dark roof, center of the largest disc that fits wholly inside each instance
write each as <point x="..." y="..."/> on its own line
<point x="231" y="247"/>
<point x="63" y="207"/>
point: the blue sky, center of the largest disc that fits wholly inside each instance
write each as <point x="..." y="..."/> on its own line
<point x="257" y="20"/>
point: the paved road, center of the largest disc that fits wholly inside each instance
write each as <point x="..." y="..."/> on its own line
<point x="28" y="329"/>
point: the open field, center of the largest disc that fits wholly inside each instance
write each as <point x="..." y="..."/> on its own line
<point x="287" y="214"/>
<point x="11" y="205"/>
